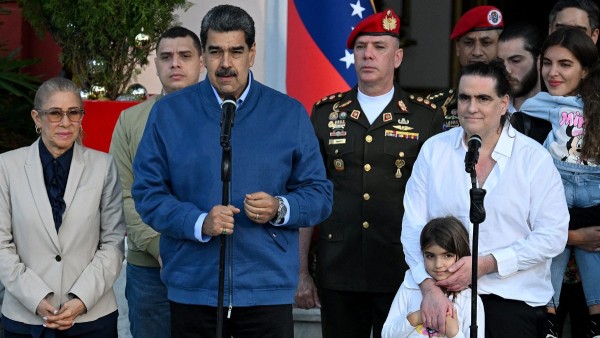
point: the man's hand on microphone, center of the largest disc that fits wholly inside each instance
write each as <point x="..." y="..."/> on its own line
<point x="260" y="207"/>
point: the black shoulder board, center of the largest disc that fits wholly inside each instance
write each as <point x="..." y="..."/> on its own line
<point x="422" y="101"/>
<point x="330" y="98"/>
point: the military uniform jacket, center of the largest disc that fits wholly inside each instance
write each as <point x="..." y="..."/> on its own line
<point x="447" y="101"/>
<point x="359" y="245"/>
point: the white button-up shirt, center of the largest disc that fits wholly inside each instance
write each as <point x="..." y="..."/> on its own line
<point x="526" y="214"/>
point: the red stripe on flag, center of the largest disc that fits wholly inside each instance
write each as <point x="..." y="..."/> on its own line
<point x="309" y="75"/>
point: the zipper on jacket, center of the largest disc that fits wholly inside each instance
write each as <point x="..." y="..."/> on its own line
<point x="230" y="272"/>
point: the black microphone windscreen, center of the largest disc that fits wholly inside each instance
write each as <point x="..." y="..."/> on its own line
<point x="229" y="99"/>
<point x="473" y="139"/>
<point x="472" y="155"/>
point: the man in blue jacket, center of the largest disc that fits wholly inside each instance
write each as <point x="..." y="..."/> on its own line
<point x="278" y="185"/>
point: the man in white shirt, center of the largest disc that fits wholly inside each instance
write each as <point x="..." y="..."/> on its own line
<point x="527" y="216"/>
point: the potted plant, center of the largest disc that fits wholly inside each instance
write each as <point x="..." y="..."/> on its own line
<point x="104" y="42"/>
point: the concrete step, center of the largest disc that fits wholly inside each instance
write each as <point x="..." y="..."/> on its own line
<point x="307" y="323"/>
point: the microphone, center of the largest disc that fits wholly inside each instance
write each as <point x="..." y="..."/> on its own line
<point x="472" y="155"/>
<point x="227" y="116"/>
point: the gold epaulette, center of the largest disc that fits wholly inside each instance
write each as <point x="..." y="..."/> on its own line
<point x="423" y="101"/>
<point x="330" y="98"/>
<point x="440" y="96"/>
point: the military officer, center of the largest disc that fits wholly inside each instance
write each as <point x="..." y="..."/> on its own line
<point x="476" y="34"/>
<point x="369" y="137"/>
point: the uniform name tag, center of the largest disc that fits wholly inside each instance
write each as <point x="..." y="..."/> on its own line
<point x="337" y="141"/>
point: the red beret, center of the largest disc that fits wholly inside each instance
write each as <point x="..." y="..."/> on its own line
<point x="478" y="19"/>
<point x="382" y="23"/>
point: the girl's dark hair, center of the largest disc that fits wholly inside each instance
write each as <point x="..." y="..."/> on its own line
<point x="590" y="94"/>
<point x="447" y="232"/>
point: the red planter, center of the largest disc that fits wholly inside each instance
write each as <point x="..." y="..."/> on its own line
<point x="99" y="122"/>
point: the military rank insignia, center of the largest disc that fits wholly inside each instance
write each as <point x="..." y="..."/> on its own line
<point x="402" y="106"/>
<point x="345" y="104"/>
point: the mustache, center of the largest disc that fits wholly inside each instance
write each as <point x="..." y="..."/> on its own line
<point x="226" y="72"/>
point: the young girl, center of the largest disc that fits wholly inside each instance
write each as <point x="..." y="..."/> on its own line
<point x="571" y="74"/>
<point x="443" y="241"/>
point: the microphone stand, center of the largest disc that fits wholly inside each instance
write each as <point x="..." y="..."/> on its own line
<point x="477" y="216"/>
<point x="226" y="179"/>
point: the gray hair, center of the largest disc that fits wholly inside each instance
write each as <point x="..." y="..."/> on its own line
<point x="228" y="18"/>
<point x="52" y="86"/>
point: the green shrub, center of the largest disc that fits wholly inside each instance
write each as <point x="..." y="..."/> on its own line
<point x="98" y="37"/>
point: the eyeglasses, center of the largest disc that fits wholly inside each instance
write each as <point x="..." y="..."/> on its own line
<point x="56" y="115"/>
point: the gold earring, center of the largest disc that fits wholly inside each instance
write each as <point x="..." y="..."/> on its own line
<point x="38" y="130"/>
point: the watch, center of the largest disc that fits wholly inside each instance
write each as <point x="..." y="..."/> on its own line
<point x="281" y="212"/>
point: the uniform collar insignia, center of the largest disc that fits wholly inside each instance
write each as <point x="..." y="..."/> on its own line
<point x="402" y="106"/>
<point x="345" y="104"/>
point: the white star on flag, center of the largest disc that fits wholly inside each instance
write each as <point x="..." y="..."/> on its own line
<point x="357" y="9"/>
<point x="348" y="58"/>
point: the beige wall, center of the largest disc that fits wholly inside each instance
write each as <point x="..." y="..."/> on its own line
<point x="192" y="19"/>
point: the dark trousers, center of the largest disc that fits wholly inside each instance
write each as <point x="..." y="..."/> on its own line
<point x="353" y="314"/>
<point x="196" y="321"/>
<point x="103" y="327"/>
<point x="511" y="318"/>
<point x="100" y="333"/>
<point x="572" y="303"/>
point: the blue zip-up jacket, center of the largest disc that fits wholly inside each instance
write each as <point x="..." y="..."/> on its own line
<point x="177" y="173"/>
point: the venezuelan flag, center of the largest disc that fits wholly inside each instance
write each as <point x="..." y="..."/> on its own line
<point x="318" y="62"/>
